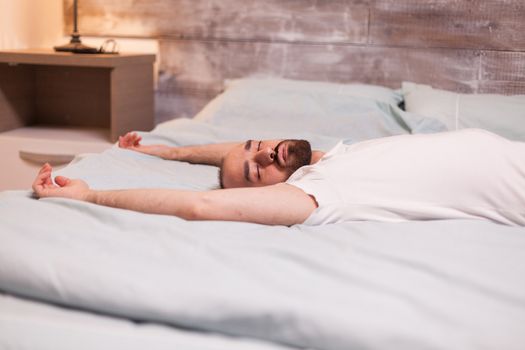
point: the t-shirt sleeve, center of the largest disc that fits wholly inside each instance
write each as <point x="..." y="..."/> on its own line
<point x="314" y="183"/>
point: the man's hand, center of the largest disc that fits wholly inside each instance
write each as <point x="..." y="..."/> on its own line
<point x="64" y="187"/>
<point x="132" y="140"/>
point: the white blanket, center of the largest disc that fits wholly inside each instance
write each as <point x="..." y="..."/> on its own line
<point x="443" y="284"/>
<point x="29" y="325"/>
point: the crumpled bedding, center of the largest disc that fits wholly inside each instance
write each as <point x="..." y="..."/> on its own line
<point x="443" y="284"/>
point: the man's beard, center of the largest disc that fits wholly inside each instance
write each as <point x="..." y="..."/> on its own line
<point x="299" y="154"/>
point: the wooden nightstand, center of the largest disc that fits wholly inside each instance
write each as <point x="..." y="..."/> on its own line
<point x="54" y="106"/>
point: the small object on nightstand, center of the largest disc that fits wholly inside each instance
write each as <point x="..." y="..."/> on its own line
<point x="110" y="46"/>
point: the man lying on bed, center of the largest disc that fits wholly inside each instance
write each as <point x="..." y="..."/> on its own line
<point x="468" y="174"/>
<point x="263" y="162"/>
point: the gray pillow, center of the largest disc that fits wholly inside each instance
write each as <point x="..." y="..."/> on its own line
<point x="503" y="115"/>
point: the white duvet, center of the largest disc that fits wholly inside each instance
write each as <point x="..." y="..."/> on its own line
<point x="439" y="285"/>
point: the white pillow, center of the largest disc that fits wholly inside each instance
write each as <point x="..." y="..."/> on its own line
<point x="503" y="115"/>
<point x="323" y="113"/>
<point x="277" y="99"/>
<point x="293" y="107"/>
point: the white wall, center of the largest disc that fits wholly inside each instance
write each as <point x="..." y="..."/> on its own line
<point x="30" y="23"/>
<point x="126" y="45"/>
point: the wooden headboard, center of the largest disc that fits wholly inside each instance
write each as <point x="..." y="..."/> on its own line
<point x="473" y="46"/>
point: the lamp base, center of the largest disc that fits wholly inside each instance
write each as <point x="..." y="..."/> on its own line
<point x="76" y="46"/>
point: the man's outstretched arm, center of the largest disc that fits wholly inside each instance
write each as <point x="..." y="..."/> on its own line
<point x="211" y="154"/>
<point x="280" y="204"/>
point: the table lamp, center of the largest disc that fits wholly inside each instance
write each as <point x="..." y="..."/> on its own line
<point x="75" y="45"/>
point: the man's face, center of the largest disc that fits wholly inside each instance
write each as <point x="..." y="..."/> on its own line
<point x="261" y="163"/>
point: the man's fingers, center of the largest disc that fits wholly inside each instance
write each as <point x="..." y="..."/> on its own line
<point x="45" y="167"/>
<point x="123" y="141"/>
<point x="43" y="185"/>
<point x="134" y="137"/>
<point x="37" y="183"/>
<point x="62" y="181"/>
<point x="41" y="180"/>
<point x="47" y="180"/>
<point x="129" y="140"/>
<point x="43" y="176"/>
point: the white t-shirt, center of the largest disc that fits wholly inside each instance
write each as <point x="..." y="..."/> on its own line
<point x="467" y="174"/>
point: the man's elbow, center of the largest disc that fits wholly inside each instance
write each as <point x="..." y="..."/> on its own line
<point x="193" y="211"/>
<point x="206" y="206"/>
<point x="198" y="208"/>
<point x="190" y="209"/>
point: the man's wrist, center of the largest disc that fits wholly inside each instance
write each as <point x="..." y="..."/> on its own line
<point x="91" y="196"/>
<point x="174" y="153"/>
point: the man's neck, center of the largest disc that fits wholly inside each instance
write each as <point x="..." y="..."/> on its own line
<point x="316" y="155"/>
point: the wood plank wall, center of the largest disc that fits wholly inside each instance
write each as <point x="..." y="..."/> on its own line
<point x="463" y="45"/>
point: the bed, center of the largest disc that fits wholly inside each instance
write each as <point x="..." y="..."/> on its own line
<point x="77" y="275"/>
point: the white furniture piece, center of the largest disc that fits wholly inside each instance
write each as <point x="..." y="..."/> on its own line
<point x="23" y="151"/>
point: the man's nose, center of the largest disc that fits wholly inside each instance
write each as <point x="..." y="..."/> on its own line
<point x="265" y="156"/>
